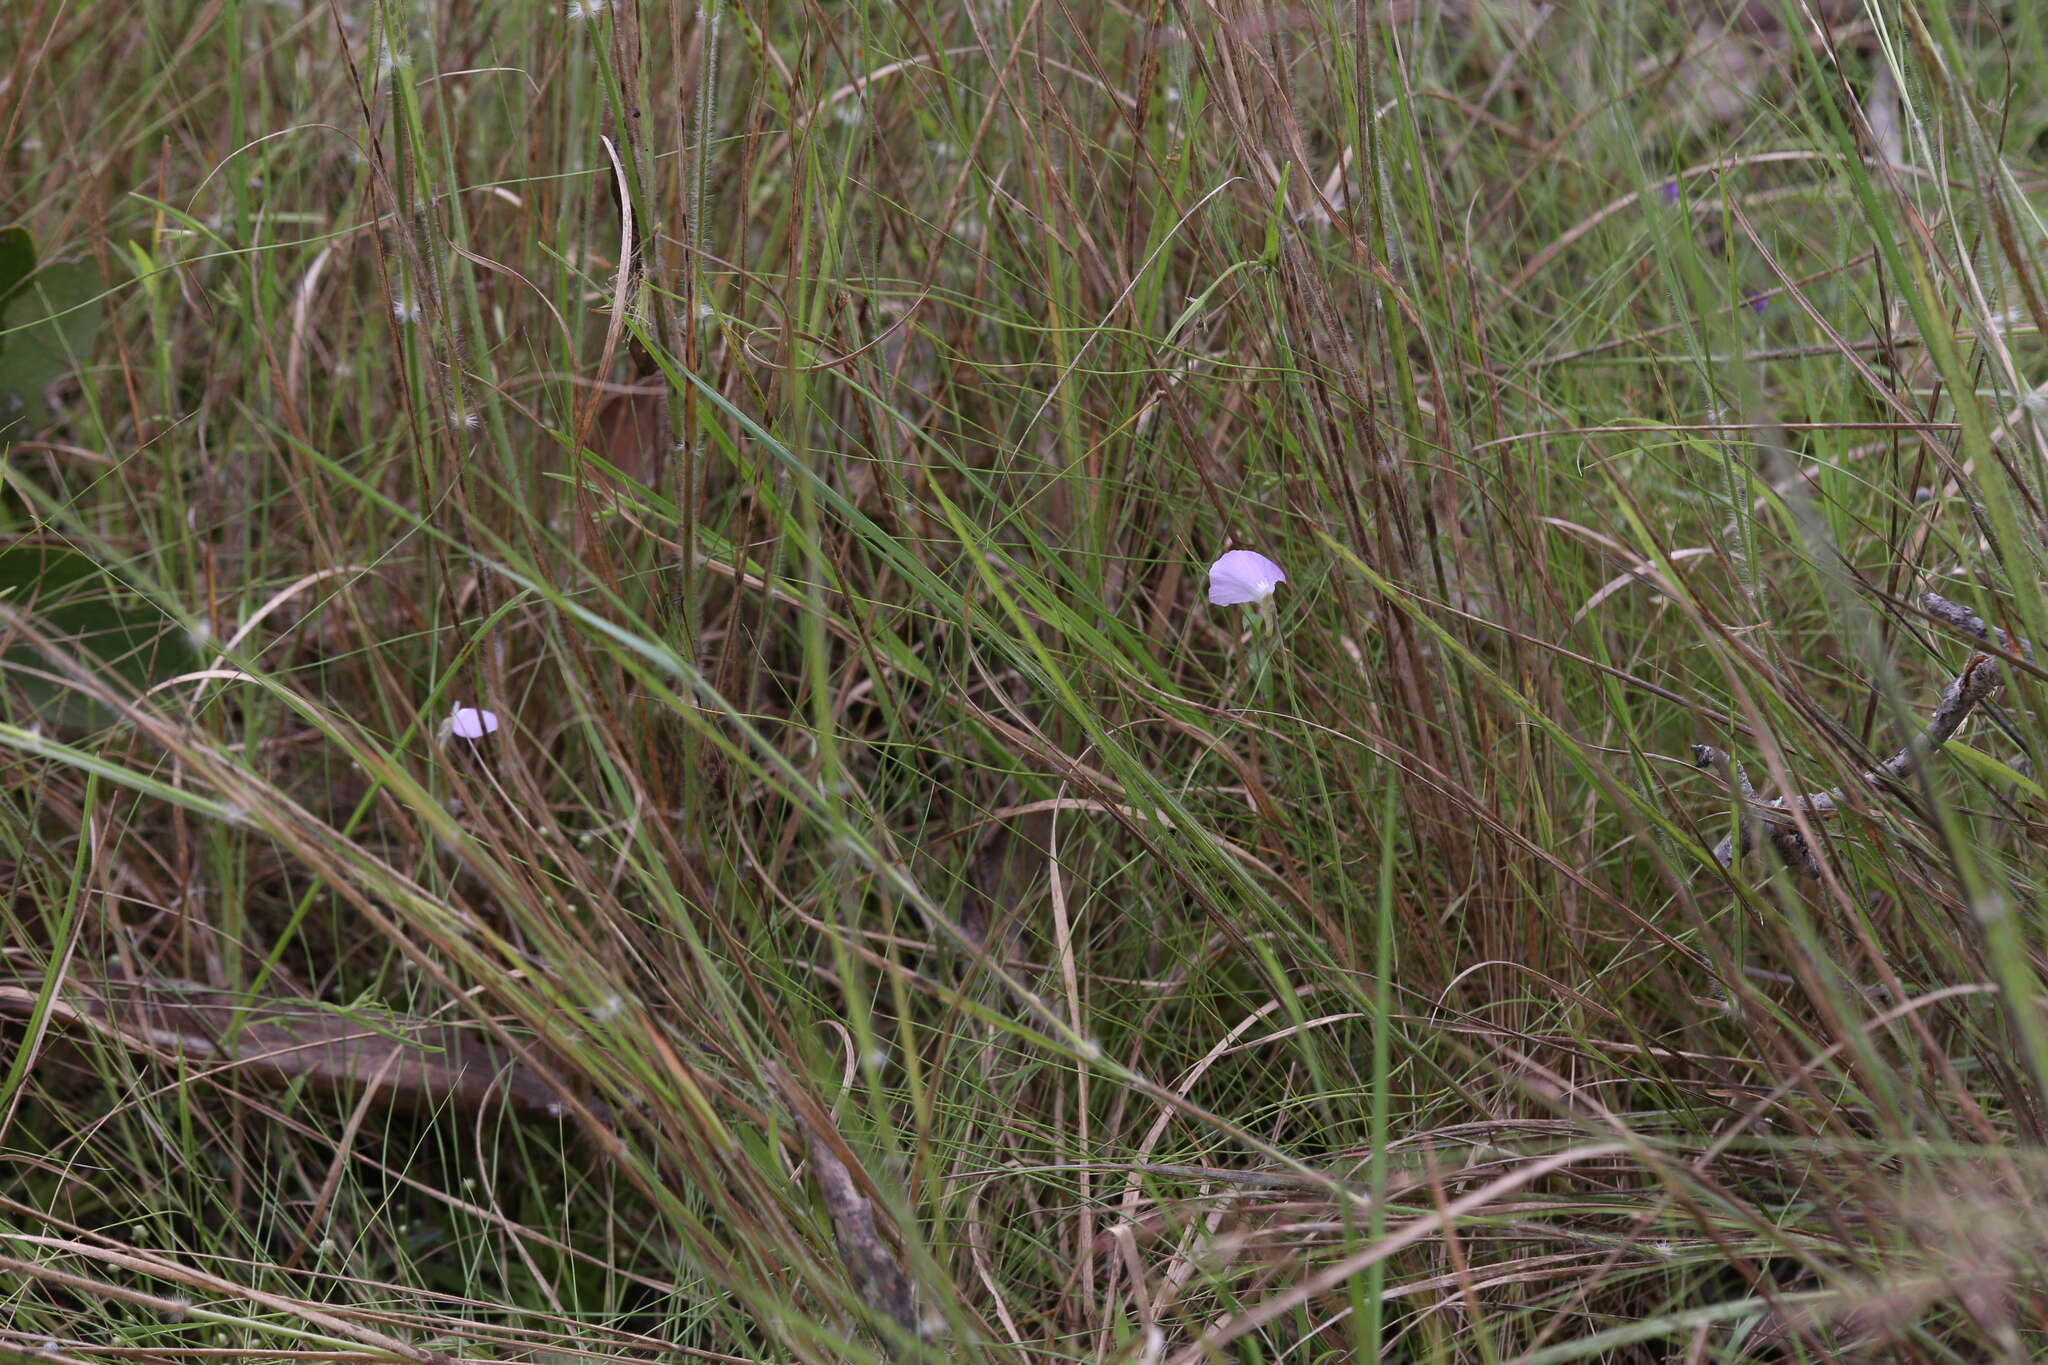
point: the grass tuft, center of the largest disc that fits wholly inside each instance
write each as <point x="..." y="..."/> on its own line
<point x="1591" y="911"/>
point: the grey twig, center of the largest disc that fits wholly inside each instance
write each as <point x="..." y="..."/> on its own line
<point x="1963" y="619"/>
<point x="1773" y="820"/>
<point x="1970" y="623"/>
<point x="874" y="1270"/>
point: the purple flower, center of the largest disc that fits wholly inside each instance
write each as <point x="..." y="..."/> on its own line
<point x="471" y="722"/>
<point x="1758" y="301"/>
<point x="1243" y="576"/>
<point x="1671" y="190"/>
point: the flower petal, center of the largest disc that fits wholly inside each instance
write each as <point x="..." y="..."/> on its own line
<point x="470" y="722"/>
<point x="1243" y="576"/>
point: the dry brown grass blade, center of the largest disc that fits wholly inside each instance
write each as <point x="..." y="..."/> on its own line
<point x="143" y="1263"/>
<point x="1237" y="1325"/>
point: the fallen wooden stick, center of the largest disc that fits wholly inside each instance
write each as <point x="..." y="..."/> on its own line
<point x="409" y="1063"/>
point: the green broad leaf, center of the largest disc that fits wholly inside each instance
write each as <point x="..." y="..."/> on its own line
<point x="17" y="258"/>
<point x="47" y="328"/>
<point x="114" y="632"/>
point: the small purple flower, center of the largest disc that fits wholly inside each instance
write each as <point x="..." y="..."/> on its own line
<point x="1243" y="576"/>
<point x="470" y="722"/>
<point x="1671" y="190"/>
<point x="1758" y="301"/>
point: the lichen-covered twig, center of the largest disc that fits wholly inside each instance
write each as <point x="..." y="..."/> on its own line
<point x="1756" y="825"/>
<point x="1772" y="821"/>
<point x="1970" y="623"/>
<point x="1963" y="619"/>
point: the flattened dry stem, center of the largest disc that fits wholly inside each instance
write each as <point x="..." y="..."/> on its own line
<point x="871" y="1264"/>
<point x="1773" y="821"/>
<point x="868" y="1259"/>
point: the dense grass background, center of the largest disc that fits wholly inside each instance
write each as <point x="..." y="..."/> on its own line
<point x="898" y="916"/>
